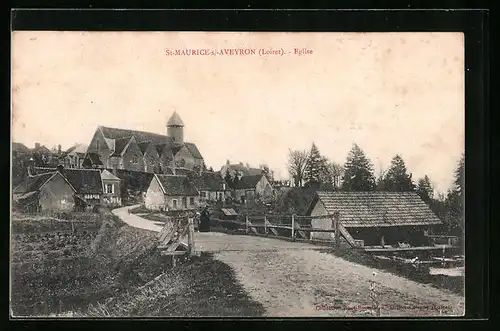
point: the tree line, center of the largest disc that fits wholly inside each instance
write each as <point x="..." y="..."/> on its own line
<point x="311" y="169"/>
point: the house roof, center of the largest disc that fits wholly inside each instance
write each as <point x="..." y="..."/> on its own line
<point x="193" y="150"/>
<point x="229" y="212"/>
<point x="43" y="170"/>
<point x="175" y="185"/>
<point x="120" y="145"/>
<point x="107" y="175"/>
<point x="246" y="171"/>
<point x="42" y="149"/>
<point x="376" y="209"/>
<point x="143" y="146"/>
<point x="78" y="148"/>
<point x="175" y="120"/>
<point x="210" y="181"/>
<point x="159" y="140"/>
<point x="18" y="147"/>
<point x="135" y="180"/>
<point x="85" y="181"/>
<point x="33" y="183"/>
<point x="182" y="171"/>
<point x="248" y="182"/>
<point x="93" y="158"/>
<point x="165" y="150"/>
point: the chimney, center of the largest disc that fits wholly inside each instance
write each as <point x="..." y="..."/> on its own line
<point x="59" y="149"/>
<point x="227" y="162"/>
<point x="37" y="145"/>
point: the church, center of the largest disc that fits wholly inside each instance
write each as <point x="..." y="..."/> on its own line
<point x="113" y="148"/>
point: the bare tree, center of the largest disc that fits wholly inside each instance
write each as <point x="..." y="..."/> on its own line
<point x="296" y="165"/>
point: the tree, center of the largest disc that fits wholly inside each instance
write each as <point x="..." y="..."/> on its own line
<point x="267" y="172"/>
<point x="424" y="189"/>
<point x="380" y="180"/>
<point x="358" y="172"/>
<point x="296" y="164"/>
<point x="456" y="200"/>
<point x="314" y="166"/>
<point x="397" y="178"/>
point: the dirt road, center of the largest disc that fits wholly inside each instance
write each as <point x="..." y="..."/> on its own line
<point x="294" y="279"/>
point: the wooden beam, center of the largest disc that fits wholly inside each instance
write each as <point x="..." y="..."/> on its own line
<point x="336" y="227"/>
<point x="409" y="249"/>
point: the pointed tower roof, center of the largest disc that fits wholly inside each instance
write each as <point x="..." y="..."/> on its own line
<point x="175" y="120"/>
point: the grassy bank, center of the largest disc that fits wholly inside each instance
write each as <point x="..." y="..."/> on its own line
<point x="198" y="286"/>
<point x="60" y="266"/>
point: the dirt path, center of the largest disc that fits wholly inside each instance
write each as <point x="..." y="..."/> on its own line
<point x="294" y="279"/>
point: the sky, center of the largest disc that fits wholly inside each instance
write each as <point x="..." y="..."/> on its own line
<point x="391" y="93"/>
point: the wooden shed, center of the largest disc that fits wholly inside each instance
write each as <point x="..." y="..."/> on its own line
<point x="375" y="218"/>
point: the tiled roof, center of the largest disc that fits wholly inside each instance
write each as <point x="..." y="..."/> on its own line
<point x="78" y="148"/>
<point x="158" y="140"/>
<point x="229" y="212"/>
<point x="248" y="182"/>
<point x="165" y="151"/>
<point x="194" y="150"/>
<point x="246" y="171"/>
<point x="135" y="180"/>
<point x="140" y="136"/>
<point x="175" y="120"/>
<point x="376" y="209"/>
<point x="174" y="185"/>
<point x="18" y="147"/>
<point x="93" y="158"/>
<point x="182" y="171"/>
<point x="120" y="145"/>
<point x="107" y="175"/>
<point x="33" y="183"/>
<point x="210" y="181"/>
<point x="143" y="146"/>
<point x="42" y="170"/>
<point x="85" y="181"/>
<point x="42" y="149"/>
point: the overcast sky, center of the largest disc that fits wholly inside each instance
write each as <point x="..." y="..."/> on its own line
<point x="389" y="92"/>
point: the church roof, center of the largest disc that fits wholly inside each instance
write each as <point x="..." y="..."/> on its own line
<point x="175" y="120"/>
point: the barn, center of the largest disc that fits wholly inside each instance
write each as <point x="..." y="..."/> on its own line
<point x="47" y="191"/>
<point x="253" y="187"/>
<point x="171" y="192"/>
<point x="375" y="218"/>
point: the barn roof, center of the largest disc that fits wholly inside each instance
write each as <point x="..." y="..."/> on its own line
<point x="376" y="209"/>
<point x="33" y="183"/>
<point x="210" y="181"/>
<point x="248" y="182"/>
<point x="175" y="185"/>
<point x="85" y="181"/>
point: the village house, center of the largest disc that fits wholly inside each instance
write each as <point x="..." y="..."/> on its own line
<point x="114" y="148"/>
<point x="73" y="157"/>
<point x="253" y="187"/>
<point x="212" y="187"/>
<point x="19" y="149"/>
<point x="46" y="191"/>
<point x="171" y="192"/>
<point x="92" y="186"/>
<point x="239" y="169"/>
<point x="374" y="218"/>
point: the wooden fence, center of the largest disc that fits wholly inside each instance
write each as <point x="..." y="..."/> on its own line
<point x="171" y="235"/>
<point x="296" y="227"/>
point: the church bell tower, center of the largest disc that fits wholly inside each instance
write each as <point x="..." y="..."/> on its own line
<point x="175" y="128"/>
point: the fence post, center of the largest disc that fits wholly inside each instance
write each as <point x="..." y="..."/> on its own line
<point x="191" y="249"/>
<point x="293" y="226"/>
<point x="246" y="224"/>
<point x="265" y="224"/>
<point x="336" y="223"/>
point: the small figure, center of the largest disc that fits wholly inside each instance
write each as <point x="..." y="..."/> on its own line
<point x="204" y="220"/>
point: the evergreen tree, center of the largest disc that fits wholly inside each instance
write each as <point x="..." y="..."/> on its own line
<point x="358" y="172"/>
<point x="397" y="178"/>
<point x="456" y="200"/>
<point x="313" y="166"/>
<point x="424" y="189"/>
